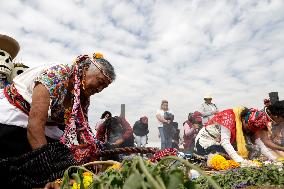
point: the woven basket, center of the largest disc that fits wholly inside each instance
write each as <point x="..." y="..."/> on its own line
<point x="99" y="166"/>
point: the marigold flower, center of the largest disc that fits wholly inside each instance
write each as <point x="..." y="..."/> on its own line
<point x="115" y="166"/>
<point x="98" y="55"/>
<point x="87" y="181"/>
<point x="218" y="162"/>
<point x="257" y="163"/>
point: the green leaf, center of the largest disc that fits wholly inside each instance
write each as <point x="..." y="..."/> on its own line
<point x="175" y="179"/>
<point x="77" y="178"/>
<point x="133" y="181"/>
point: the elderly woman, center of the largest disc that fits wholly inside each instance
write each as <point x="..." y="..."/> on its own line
<point x="47" y="104"/>
<point x="229" y="126"/>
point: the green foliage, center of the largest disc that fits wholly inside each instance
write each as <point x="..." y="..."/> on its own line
<point x="139" y="174"/>
<point x="268" y="175"/>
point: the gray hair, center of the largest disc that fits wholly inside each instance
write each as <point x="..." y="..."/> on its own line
<point x="108" y="68"/>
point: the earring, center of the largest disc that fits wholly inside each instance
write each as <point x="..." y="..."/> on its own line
<point x="83" y="81"/>
<point x="83" y="84"/>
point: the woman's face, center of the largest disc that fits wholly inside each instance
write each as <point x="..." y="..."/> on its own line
<point x="245" y="126"/>
<point x="107" y="116"/>
<point x="94" y="81"/>
<point x="145" y="121"/>
<point x="208" y="100"/>
<point x="165" y="106"/>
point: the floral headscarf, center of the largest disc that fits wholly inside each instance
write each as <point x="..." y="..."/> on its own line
<point x="256" y="120"/>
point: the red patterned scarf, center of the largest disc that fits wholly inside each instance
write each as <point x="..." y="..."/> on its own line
<point x="225" y="118"/>
<point x="16" y="99"/>
<point x="77" y="134"/>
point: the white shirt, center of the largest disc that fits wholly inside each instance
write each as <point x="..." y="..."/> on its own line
<point x="161" y="113"/>
<point x="11" y="115"/>
<point x="207" y="111"/>
<point x="220" y="135"/>
<point x="25" y="82"/>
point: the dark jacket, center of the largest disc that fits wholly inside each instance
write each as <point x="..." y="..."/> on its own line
<point x="114" y="128"/>
<point x="140" y="129"/>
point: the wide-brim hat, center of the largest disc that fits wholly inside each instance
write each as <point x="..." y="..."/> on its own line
<point x="10" y="45"/>
<point x="207" y="96"/>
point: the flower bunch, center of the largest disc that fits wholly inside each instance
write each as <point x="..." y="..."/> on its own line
<point x="87" y="181"/>
<point x="218" y="162"/>
<point x="233" y="164"/>
<point x="115" y="166"/>
<point x="258" y="164"/>
<point x="98" y="55"/>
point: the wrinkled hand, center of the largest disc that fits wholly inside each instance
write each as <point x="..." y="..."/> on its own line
<point x="216" y="112"/>
<point x="118" y="142"/>
<point x="52" y="185"/>
<point x="167" y="121"/>
<point x="56" y="184"/>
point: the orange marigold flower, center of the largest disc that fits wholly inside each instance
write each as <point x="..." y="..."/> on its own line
<point x="98" y="55"/>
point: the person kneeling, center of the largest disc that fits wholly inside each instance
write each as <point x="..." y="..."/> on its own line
<point x="229" y="126"/>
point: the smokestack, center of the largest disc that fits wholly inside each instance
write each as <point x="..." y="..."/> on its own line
<point x="273" y="96"/>
<point x="122" y="110"/>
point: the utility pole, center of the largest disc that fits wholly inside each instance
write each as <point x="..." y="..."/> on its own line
<point x="122" y="111"/>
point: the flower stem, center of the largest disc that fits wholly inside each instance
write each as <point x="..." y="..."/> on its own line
<point x="148" y="175"/>
<point x="191" y="166"/>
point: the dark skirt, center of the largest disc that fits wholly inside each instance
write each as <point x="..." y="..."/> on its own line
<point x="22" y="167"/>
<point x="14" y="142"/>
<point x="199" y="150"/>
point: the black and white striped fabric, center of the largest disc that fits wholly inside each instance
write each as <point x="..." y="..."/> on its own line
<point x="36" y="168"/>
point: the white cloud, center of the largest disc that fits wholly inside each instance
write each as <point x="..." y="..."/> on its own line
<point x="175" y="50"/>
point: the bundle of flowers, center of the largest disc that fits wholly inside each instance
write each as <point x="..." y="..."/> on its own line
<point x="218" y="162"/>
<point x="169" y="172"/>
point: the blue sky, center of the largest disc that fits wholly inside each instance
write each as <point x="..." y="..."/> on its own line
<point x="176" y="50"/>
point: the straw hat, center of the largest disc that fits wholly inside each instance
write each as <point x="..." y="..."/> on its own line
<point x="9" y="45"/>
<point x="207" y="96"/>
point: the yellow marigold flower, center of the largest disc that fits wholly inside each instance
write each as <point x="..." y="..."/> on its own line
<point x="224" y="165"/>
<point x="75" y="186"/>
<point x="87" y="174"/>
<point x="115" y="166"/>
<point x="87" y="181"/>
<point x="257" y="163"/>
<point x="218" y="162"/>
<point x="280" y="159"/>
<point x="98" y="55"/>
<point x="148" y="162"/>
